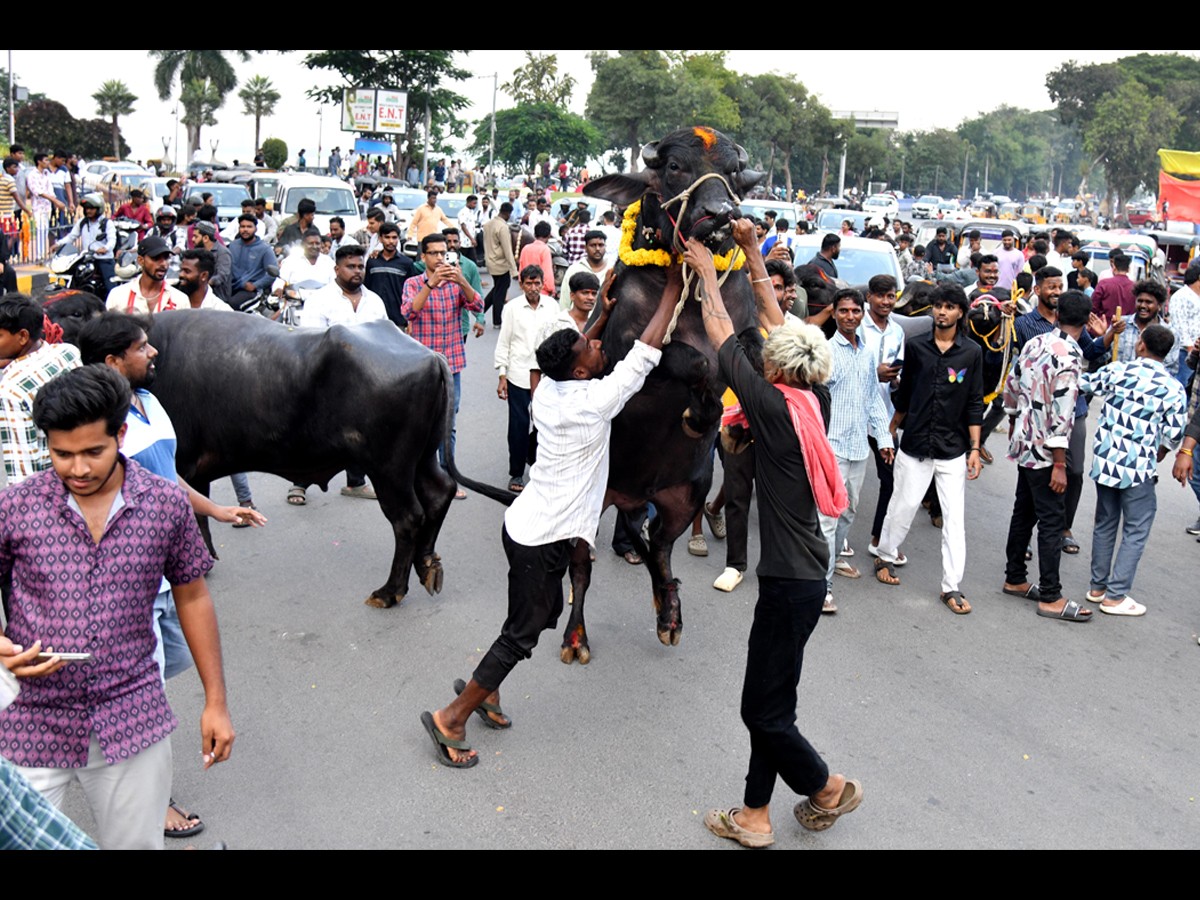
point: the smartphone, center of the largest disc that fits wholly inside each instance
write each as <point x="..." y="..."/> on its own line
<point x="896" y="363"/>
<point x="452" y="258"/>
<point x="66" y="657"/>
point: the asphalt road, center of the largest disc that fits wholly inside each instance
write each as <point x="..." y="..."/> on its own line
<point x="997" y="729"/>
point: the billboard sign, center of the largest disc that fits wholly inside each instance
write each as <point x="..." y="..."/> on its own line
<point x="374" y="110"/>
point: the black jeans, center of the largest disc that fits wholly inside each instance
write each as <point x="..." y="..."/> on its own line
<point x="739" y="488"/>
<point x="785" y="616"/>
<point x="518" y="429"/>
<point x="496" y="296"/>
<point x="535" y="601"/>
<point x="624" y="529"/>
<point x="886" y="483"/>
<point x="1037" y="505"/>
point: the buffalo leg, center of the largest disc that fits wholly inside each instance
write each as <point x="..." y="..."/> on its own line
<point x="575" y="642"/>
<point x="403" y="511"/>
<point x="677" y="506"/>
<point x="435" y="492"/>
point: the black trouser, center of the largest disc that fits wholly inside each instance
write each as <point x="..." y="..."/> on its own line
<point x="535" y="600"/>
<point x="627" y="525"/>
<point x="1037" y="505"/>
<point x="1075" y="456"/>
<point x="497" y="295"/>
<point x="886" y="481"/>
<point x="992" y="417"/>
<point x="785" y="615"/>
<point x="739" y="488"/>
<point x="518" y="429"/>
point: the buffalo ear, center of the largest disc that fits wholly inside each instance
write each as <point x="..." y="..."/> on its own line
<point x="746" y="179"/>
<point x="621" y="189"/>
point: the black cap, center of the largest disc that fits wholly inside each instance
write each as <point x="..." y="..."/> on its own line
<point x="153" y="246"/>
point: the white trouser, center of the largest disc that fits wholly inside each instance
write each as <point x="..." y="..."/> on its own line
<point x="912" y="477"/>
<point x="837" y="529"/>
<point x="128" y="800"/>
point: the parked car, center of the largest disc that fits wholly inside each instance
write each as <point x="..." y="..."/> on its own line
<point x="756" y="207"/>
<point x="831" y="219"/>
<point x="926" y="206"/>
<point x="94" y="172"/>
<point x="265" y="184"/>
<point x="882" y="204"/>
<point x="227" y="198"/>
<point x="859" y="259"/>
<point x="332" y="196"/>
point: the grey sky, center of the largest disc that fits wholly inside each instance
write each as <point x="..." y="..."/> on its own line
<point x="929" y="89"/>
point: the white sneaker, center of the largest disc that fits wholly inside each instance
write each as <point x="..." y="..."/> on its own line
<point x="1127" y="607"/>
<point x="728" y="580"/>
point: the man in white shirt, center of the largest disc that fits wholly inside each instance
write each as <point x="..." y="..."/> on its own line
<point x="149" y="293"/>
<point x="515" y="357"/>
<point x="612" y="237"/>
<point x="307" y="271"/>
<point x="196" y="268"/>
<point x="469" y="224"/>
<point x="573" y="409"/>
<point x="1184" y="308"/>
<point x="344" y="301"/>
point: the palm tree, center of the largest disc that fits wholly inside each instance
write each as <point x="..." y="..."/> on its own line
<point x="258" y="99"/>
<point x="211" y="70"/>
<point x="114" y="100"/>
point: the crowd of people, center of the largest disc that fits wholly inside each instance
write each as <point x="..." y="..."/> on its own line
<point x="89" y="459"/>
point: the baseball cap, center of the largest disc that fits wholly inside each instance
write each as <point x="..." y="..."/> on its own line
<point x="153" y="247"/>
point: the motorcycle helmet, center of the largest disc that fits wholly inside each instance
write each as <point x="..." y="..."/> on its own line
<point x="166" y="211"/>
<point x="95" y="201"/>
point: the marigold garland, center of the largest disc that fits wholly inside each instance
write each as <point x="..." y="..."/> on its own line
<point x="648" y="257"/>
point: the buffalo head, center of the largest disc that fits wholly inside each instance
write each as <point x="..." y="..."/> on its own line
<point x="674" y="165"/>
<point x="71" y="310"/>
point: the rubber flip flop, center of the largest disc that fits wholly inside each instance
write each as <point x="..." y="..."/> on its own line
<point x="195" y="828"/>
<point x="1071" y="612"/>
<point x="1030" y="593"/>
<point x="483" y="709"/>
<point x="956" y="603"/>
<point x="441" y="742"/>
<point x="1070" y="546"/>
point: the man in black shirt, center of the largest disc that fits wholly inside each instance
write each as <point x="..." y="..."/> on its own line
<point x="941" y="252"/>
<point x="831" y="246"/>
<point x="791" y="570"/>
<point x="387" y="272"/>
<point x="940" y="403"/>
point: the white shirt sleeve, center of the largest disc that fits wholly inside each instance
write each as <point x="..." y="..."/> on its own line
<point x="611" y="393"/>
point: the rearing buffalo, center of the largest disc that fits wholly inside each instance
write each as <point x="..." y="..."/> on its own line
<point x="663" y="440"/>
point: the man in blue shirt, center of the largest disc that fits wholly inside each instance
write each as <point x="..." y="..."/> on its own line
<point x="250" y="256"/>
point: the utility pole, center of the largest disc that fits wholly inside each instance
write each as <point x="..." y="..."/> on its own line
<point x="966" y="159"/>
<point x="492" y="139"/>
<point x="12" y="103"/>
<point x="425" y="154"/>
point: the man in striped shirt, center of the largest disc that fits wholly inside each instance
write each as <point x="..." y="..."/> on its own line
<point x="856" y="406"/>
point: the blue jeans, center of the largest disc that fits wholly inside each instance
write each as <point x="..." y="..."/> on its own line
<point x="171" y="653"/>
<point x="1137" y="506"/>
<point x="453" y="420"/>
<point x="1184" y="372"/>
<point x="241" y="488"/>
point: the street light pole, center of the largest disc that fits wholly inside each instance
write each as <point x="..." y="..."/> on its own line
<point x="12" y="103"/>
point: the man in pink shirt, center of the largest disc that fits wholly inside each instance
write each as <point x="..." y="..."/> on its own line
<point x="538" y="254"/>
<point x="1011" y="260"/>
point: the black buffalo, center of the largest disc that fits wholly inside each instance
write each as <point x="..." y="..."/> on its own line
<point x="662" y="441"/>
<point x="249" y="395"/>
<point x="70" y="309"/>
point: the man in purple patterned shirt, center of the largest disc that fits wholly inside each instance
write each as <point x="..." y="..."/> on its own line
<point x="87" y="546"/>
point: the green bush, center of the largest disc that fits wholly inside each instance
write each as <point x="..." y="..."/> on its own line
<point x="275" y="152"/>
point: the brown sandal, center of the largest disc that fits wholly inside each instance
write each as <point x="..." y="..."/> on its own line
<point x="956" y="603"/>
<point x="885" y="572"/>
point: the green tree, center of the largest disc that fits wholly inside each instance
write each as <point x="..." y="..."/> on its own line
<point x="424" y="74"/>
<point x="114" y="100"/>
<point x="1176" y="78"/>
<point x="703" y="91"/>
<point x="258" y="97"/>
<point x="627" y="98"/>
<point x="538" y="81"/>
<point x="1126" y="134"/>
<point x="782" y="125"/>
<point x="275" y="152"/>
<point x="205" y="77"/>
<point x="200" y="100"/>
<point x="4" y="84"/>
<point x="526" y="132"/>
<point x="45" y="125"/>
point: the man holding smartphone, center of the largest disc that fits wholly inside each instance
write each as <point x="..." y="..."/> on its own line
<point x="88" y="545"/>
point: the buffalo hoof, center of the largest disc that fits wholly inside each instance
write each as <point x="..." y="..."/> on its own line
<point x="670" y="635"/>
<point x="383" y="601"/>
<point x="570" y="654"/>
<point x="687" y="426"/>
<point x="430" y="572"/>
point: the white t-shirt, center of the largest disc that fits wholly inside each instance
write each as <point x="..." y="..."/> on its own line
<point x="128" y="298"/>
<point x="329" y="306"/>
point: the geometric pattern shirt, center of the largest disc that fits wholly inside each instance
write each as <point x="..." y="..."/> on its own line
<point x="1127" y="347"/>
<point x="1040" y="392"/>
<point x="25" y="451"/>
<point x="77" y="595"/>
<point x="1185" y="315"/>
<point x="1143" y="410"/>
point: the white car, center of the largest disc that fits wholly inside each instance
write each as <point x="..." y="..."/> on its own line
<point x="333" y="198"/>
<point x="95" y="171"/>
<point x="926" y="206"/>
<point x="883" y="205"/>
<point x="859" y="259"/>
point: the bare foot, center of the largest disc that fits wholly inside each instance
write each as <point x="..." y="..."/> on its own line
<point x="757" y="820"/>
<point x="831" y="796"/>
<point x="457" y="731"/>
